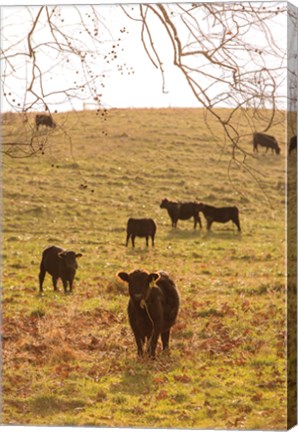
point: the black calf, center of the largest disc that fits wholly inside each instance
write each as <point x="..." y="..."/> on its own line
<point x="267" y="141"/>
<point x="44" y="120"/>
<point x="140" y="228"/>
<point x="183" y="211"/>
<point x="59" y="264"/>
<point x="221" y="214"/>
<point x="152" y="308"/>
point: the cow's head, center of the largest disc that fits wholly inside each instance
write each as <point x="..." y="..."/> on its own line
<point x="139" y="283"/>
<point x="277" y="150"/>
<point x="70" y="259"/>
<point x="164" y="203"/>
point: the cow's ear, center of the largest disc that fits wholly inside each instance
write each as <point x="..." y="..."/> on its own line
<point x="62" y="254"/>
<point x="153" y="278"/>
<point x="124" y="276"/>
<point x="78" y="255"/>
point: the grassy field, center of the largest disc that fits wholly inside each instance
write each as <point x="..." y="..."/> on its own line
<point x="71" y="360"/>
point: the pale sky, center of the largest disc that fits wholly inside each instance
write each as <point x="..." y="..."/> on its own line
<point x="143" y="88"/>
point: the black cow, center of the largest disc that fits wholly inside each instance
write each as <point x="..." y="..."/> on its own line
<point x="221" y="214"/>
<point x="263" y="140"/>
<point x="140" y="228"/>
<point x="58" y="263"/>
<point x="183" y="211"/>
<point x="44" y="120"/>
<point x="152" y="308"/>
<point x="293" y="144"/>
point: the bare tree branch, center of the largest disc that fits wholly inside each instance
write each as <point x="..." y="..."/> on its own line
<point x="229" y="54"/>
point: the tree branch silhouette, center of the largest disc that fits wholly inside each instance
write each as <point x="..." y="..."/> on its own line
<point x="228" y="54"/>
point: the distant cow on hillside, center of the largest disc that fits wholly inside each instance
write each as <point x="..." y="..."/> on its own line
<point x="44" y="120"/>
<point x="140" y="228"/>
<point x="220" y="214"/>
<point x="263" y="140"/>
<point x="182" y="211"/>
<point x="293" y="144"/>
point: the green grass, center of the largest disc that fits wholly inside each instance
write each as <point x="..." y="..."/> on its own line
<point x="71" y="360"/>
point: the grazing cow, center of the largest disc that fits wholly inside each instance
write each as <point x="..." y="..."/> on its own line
<point x="44" y="120"/>
<point x="221" y="214"/>
<point x="267" y="141"/>
<point x="183" y="211"/>
<point x="58" y="263"/>
<point x="140" y="228"/>
<point x="293" y="144"/>
<point x="152" y="308"/>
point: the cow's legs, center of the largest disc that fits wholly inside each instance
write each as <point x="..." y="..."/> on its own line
<point x="196" y="220"/>
<point x="64" y="285"/>
<point x="42" y="274"/>
<point x="55" y="279"/>
<point x="147" y="239"/>
<point x="140" y="342"/>
<point x="209" y="223"/>
<point x="133" y="240"/>
<point x="174" y="223"/>
<point x="152" y="346"/>
<point x="152" y="238"/>
<point x="237" y="223"/>
<point x="200" y="222"/>
<point x="165" y="340"/>
<point x="127" y="239"/>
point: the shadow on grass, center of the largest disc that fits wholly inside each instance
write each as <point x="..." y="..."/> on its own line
<point x="48" y="404"/>
<point x="222" y="235"/>
<point x="138" y="375"/>
<point x="227" y="234"/>
<point x="140" y="249"/>
<point x="177" y="233"/>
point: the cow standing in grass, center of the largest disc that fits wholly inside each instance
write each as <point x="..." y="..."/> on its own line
<point x="152" y="308"/>
<point x="220" y="214"/>
<point x="267" y="141"/>
<point x="44" y="120"/>
<point x="58" y="263"/>
<point x="182" y="211"/>
<point x="140" y="228"/>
